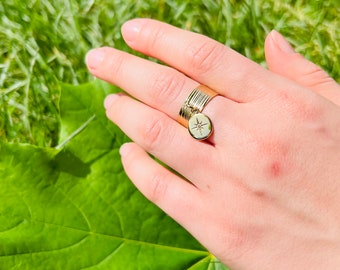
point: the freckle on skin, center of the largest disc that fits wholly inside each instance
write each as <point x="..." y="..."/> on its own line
<point x="273" y="155"/>
<point x="275" y="170"/>
<point x="323" y="132"/>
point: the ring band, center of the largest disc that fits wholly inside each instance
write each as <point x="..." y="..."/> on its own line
<point x="190" y="115"/>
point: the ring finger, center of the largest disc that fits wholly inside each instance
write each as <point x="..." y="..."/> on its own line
<point x="161" y="136"/>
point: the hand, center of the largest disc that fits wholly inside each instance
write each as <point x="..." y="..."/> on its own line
<point x="263" y="192"/>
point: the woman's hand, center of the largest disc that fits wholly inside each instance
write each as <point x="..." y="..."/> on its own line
<point x="263" y="192"/>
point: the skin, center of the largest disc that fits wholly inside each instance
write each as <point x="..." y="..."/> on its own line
<point x="263" y="191"/>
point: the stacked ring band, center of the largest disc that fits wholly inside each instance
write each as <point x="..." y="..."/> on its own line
<point x="190" y="115"/>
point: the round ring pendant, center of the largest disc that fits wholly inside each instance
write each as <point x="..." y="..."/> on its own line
<point x="200" y="126"/>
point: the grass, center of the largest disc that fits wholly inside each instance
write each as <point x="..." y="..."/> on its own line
<point x="43" y="43"/>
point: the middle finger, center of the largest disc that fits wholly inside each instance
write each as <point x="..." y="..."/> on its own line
<point x="159" y="86"/>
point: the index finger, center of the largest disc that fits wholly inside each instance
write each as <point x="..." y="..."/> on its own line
<point x="201" y="58"/>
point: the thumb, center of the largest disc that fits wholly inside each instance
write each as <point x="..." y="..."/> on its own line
<point x="283" y="60"/>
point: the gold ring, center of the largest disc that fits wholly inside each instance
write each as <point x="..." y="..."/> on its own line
<point x="190" y="115"/>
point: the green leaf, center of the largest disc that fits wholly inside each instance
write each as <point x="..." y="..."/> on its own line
<point x="73" y="207"/>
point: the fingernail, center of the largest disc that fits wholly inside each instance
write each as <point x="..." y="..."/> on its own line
<point x="131" y="29"/>
<point x="94" y="58"/>
<point x="124" y="149"/>
<point x="109" y="101"/>
<point x="281" y="42"/>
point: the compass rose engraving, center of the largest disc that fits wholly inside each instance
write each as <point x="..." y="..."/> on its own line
<point x="200" y="126"/>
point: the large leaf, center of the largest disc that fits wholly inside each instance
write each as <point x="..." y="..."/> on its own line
<point x="73" y="207"/>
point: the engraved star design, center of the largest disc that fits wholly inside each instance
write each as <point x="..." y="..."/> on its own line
<point x="199" y="125"/>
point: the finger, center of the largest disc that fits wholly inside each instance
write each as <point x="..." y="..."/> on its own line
<point x="162" y="137"/>
<point x="178" y="198"/>
<point x="199" y="57"/>
<point x="283" y="60"/>
<point x="158" y="86"/>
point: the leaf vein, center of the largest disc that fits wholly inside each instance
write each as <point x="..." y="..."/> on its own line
<point x="77" y="207"/>
<point x="79" y="242"/>
<point x="106" y="258"/>
<point x="13" y="227"/>
<point x="125" y="240"/>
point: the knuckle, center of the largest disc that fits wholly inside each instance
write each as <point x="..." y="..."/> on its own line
<point x="153" y="133"/>
<point x="315" y="76"/>
<point x="301" y="107"/>
<point x="115" y="64"/>
<point x="158" y="187"/>
<point x="166" y="87"/>
<point x="234" y="239"/>
<point x="241" y="234"/>
<point x="203" y="56"/>
<point x="154" y="36"/>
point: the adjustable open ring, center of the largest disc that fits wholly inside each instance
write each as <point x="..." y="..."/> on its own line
<point x="190" y="115"/>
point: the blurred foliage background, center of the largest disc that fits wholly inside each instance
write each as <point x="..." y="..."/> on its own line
<point x="43" y="43"/>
